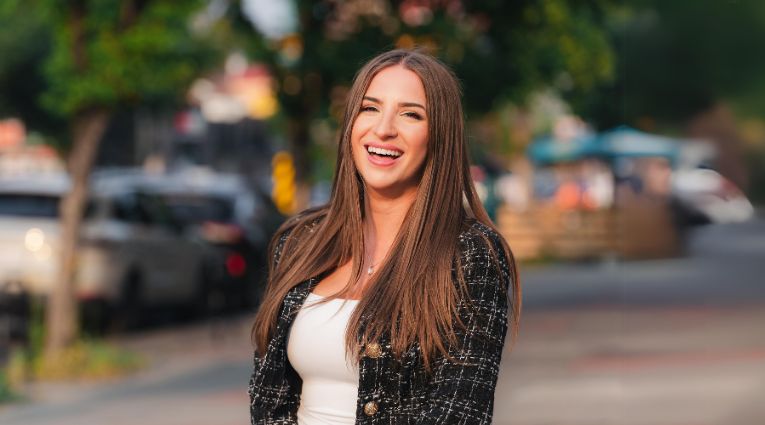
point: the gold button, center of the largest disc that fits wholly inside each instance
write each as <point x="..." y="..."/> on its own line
<point x="373" y="350"/>
<point x="370" y="408"/>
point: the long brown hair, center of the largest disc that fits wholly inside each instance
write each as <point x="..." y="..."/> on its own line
<point x="412" y="296"/>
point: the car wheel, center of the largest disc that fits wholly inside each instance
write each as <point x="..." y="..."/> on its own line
<point x="128" y="311"/>
<point x="95" y="317"/>
<point x="205" y="301"/>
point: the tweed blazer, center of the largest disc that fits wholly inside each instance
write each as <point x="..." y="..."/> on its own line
<point x="398" y="391"/>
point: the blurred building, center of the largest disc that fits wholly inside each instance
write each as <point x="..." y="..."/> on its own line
<point x="18" y="156"/>
<point x="222" y="128"/>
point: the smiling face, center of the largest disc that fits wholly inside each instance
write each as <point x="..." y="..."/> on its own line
<point x="389" y="137"/>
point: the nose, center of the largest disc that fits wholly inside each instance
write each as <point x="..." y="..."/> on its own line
<point x="385" y="128"/>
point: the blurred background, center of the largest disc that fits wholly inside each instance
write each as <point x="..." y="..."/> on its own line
<point x="148" y="150"/>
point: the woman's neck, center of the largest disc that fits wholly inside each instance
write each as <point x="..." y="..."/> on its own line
<point x="382" y="220"/>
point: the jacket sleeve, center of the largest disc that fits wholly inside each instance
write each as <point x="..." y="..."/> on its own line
<point x="263" y="394"/>
<point x="462" y="391"/>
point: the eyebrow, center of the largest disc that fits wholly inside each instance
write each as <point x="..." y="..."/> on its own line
<point x="405" y="104"/>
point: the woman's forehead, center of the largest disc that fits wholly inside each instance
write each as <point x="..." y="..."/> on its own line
<point x="396" y="83"/>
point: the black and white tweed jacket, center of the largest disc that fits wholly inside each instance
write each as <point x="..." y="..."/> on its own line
<point x="399" y="391"/>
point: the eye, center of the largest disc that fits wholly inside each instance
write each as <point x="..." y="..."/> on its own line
<point x="368" y="108"/>
<point x="413" y="115"/>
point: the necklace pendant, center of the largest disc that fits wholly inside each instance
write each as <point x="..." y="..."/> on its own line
<point x="370" y="270"/>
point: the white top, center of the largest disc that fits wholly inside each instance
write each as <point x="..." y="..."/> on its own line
<point x="316" y="350"/>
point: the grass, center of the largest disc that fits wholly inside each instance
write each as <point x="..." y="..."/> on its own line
<point x="87" y="359"/>
<point x="6" y="392"/>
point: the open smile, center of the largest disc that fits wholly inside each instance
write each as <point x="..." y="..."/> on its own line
<point x="383" y="156"/>
<point x="378" y="151"/>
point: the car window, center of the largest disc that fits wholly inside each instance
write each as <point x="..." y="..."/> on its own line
<point x="153" y="210"/>
<point x="124" y="208"/>
<point x="36" y="205"/>
<point x="144" y="208"/>
<point x="194" y="209"/>
<point x="29" y="205"/>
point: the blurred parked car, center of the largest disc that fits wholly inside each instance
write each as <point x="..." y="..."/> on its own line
<point x="705" y="196"/>
<point x="133" y="252"/>
<point x="231" y="218"/>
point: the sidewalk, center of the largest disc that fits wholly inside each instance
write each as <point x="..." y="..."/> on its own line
<point x="646" y="366"/>
<point x="197" y="375"/>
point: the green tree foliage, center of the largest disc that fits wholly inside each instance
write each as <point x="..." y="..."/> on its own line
<point x="24" y="43"/>
<point x="99" y="55"/>
<point x="677" y="59"/>
<point x="60" y="58"/>
<point x="500" y="50"/>
<point x="520" y="47"/>
<point x="109" y="53"/>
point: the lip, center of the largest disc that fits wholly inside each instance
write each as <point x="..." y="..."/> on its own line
<point x="382" y="161"/>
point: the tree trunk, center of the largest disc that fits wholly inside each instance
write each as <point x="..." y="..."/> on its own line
<point x="62" y="312"/>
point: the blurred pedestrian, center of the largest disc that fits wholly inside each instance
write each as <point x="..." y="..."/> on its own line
<point x="389" y="304"/>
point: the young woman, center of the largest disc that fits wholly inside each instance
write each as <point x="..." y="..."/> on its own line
<point x="390" y="304"/>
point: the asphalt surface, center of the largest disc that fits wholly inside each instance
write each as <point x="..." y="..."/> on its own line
<point x="661" y="342"/>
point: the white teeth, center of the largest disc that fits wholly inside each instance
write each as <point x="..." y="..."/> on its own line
<point x="381" y="151"/>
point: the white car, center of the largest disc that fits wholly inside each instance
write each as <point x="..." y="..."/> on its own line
<point x="132" y="252"/>
<point x="707" y="196"/>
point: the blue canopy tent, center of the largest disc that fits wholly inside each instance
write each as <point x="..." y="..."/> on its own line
<point x="626" y="142"/>
<point x="550" y="150"/>
<point x="621" y="142"/>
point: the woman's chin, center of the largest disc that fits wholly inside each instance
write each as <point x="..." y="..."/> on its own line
<point x="388" y="190"/>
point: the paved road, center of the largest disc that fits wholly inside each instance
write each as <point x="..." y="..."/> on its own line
<point x="670" y="342"/>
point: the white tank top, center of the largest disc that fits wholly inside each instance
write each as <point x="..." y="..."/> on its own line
<point x="316" y="350"/>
